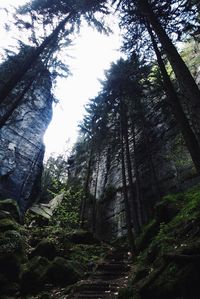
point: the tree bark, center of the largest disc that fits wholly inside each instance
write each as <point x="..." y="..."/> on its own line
<point x="155" y="182"/>
<point x="95" y="196"/>
<point x="184" y="77"/>
<point x="126" y="203"/>
<point x="29" y="62"/>
<point x="136" y="202"/>
<point x="86" y="186"/>
<point x="137" y="175"/>
<point x="173" y="100"/>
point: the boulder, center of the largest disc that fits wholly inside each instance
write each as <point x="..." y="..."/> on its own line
<point x="165" y="211"/>
<point x="11" y="255"/>
<point x="10" y="206"/>
<point x="45" y="248"/>
<point x="33" y="277"/>
<point x="61" y="272"/>
<point x="7" y="225"/>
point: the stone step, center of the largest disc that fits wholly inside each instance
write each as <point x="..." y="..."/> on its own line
<point x="97" y="287"/>
<point x="103" y="283"/>
<point x="80" y="296"/>
<point x="106" y="267"/>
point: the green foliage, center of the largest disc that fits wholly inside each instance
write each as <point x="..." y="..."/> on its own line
<point x="179" y="152"/>
<point x="171" y="236"/>
<point x="67" y="213"/>
<point x="54" y="177"/>
<point x="147" y="233"/>
<point x="125" y="293"/>
<point x="87" y="254"/>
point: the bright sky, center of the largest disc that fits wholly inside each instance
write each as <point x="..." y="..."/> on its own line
<point x="92" y="54"/>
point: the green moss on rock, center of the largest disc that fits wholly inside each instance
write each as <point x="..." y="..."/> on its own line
<point x="11" y="206"/>
<point x="8" y="224"/>
<point x="33" y="277"/>
<point x="45" y="248"/>
<point x="61" y="272"/>
<point x="11" y="254"/>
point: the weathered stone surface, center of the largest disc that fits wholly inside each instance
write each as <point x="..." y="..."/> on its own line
<point x="164" y="166"/>
<point x="9" y="207"/>
<point x="61" y="272"/>
<point x="21" y="144"/>
<point x="45" y="248"/>
<point x="34" y="276"/>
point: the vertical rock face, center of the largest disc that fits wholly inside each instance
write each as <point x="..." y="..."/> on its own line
<point x="164" y="166"/>
<point x="21" y="143"/>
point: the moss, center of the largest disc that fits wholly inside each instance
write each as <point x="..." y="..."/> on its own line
<point x="8" y="224"/>
<point x="126" y="293"/>
<point x="61" y="272"/>
<point x="12" y="254"/>
<point x="178" y="234"/>
<point x="148" y="232"/>
<point x="33" y="276"/>
<point x="87" y="254"/>
<point x="175" y="282"/>
<point x="10" y="290"/>
<point x="11" y="206"/>
<point x="45" y="248"/>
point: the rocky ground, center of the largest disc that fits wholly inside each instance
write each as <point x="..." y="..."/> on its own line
<point x="51" y="262"/>
<point x="168" y="263"/>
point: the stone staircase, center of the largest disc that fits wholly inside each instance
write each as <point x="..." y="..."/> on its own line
<point x="107" y="278"/>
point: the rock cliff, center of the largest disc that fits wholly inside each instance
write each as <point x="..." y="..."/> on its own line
<point x="164" y="166"/>
<point x="21" y="141"/>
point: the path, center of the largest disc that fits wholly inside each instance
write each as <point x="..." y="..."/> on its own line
<point x="108" y="277"/>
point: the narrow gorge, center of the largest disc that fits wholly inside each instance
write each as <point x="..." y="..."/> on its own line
<point x="118" y="215"/>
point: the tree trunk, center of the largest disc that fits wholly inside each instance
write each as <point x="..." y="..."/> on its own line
<point x="95" y="196"/>
<point x="108" y="164"/>
<point x="155" y="182"/>
<point x="136" y="203"/>
<point x="29" y="62"/>
<point x="126" y="202"/>
<point x="137" y="175"/>
<point x="184" y="77"/>
<point x="173" y="100"/>
<point x="86" y="191"/>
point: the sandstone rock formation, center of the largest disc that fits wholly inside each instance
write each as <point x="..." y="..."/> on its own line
<point x="21" y="142"/>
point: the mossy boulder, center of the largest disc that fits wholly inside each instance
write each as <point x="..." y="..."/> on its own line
<point x="8" y="224"/>
<point x="61" y="272"/>
<point x="149" y="231"/>
<point x="5" y="215"/>
<point x="45" y="248"/>
<point x="11" y="206"/>
<point x="33" y="277"/>
<point x="125" y="293"/>
<point x="11" y="254"/>
<point x="165" y="211"/>
<point x="174" y="282"/>
<point x="10" y="290"/>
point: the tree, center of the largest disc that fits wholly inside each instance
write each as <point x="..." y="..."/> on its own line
<point x="26" y="86"/>
<point x="65" y="14"/>
<point x="54" y="177"/>
<point x="29" y="61"/>
<point x="135" y="14"/>
<point x="174" y="102"/>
